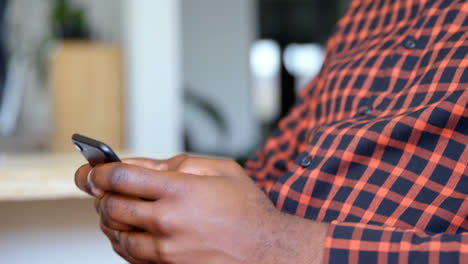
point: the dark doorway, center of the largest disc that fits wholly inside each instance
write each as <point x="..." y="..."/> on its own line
<point x="3" y="53"/>
<point x="297" y="21"/>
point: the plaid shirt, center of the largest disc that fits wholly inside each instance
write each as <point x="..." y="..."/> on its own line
<point x="376" y="144"/>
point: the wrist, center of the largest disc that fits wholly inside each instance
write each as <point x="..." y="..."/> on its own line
<point x="295" y="240"/>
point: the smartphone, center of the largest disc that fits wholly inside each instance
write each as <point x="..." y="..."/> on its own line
<point x="94" y="151"/>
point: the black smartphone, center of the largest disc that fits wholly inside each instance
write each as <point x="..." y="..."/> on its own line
<point x="94" y="151"/>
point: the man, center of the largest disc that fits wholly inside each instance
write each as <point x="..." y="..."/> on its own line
<point x="369" y="167"/>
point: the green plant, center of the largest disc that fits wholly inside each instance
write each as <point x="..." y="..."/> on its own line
<point x="211" y="111"/>
<point x="68" y="22"/>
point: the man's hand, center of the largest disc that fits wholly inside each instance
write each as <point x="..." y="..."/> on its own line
<point x="195" y="210"/>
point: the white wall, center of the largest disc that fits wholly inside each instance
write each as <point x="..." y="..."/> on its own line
<point x="217" y="35"/>
<point x="53" y="232"/>
<point x="154" y="87"/>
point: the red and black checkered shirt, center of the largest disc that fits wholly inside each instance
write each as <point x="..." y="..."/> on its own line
<point x="376" y="144"/>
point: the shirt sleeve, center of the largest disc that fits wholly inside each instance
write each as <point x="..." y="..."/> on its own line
<point x="278" y="153"/>
<point x="365" y="243"/>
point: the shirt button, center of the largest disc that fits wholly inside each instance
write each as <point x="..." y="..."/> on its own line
<point x="409" y="43"/>
<point x="306" y="161"/>
<point x="366" y="110"/>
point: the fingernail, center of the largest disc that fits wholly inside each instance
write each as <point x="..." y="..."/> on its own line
<point x="94" y="190"/>
<point x="117" y="236"/>
<point x="161" y="167"/>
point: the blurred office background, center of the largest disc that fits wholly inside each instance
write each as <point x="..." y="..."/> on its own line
<point x="145" y="76"/>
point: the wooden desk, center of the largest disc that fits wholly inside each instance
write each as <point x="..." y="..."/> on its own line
<point x="40" y="176"/>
